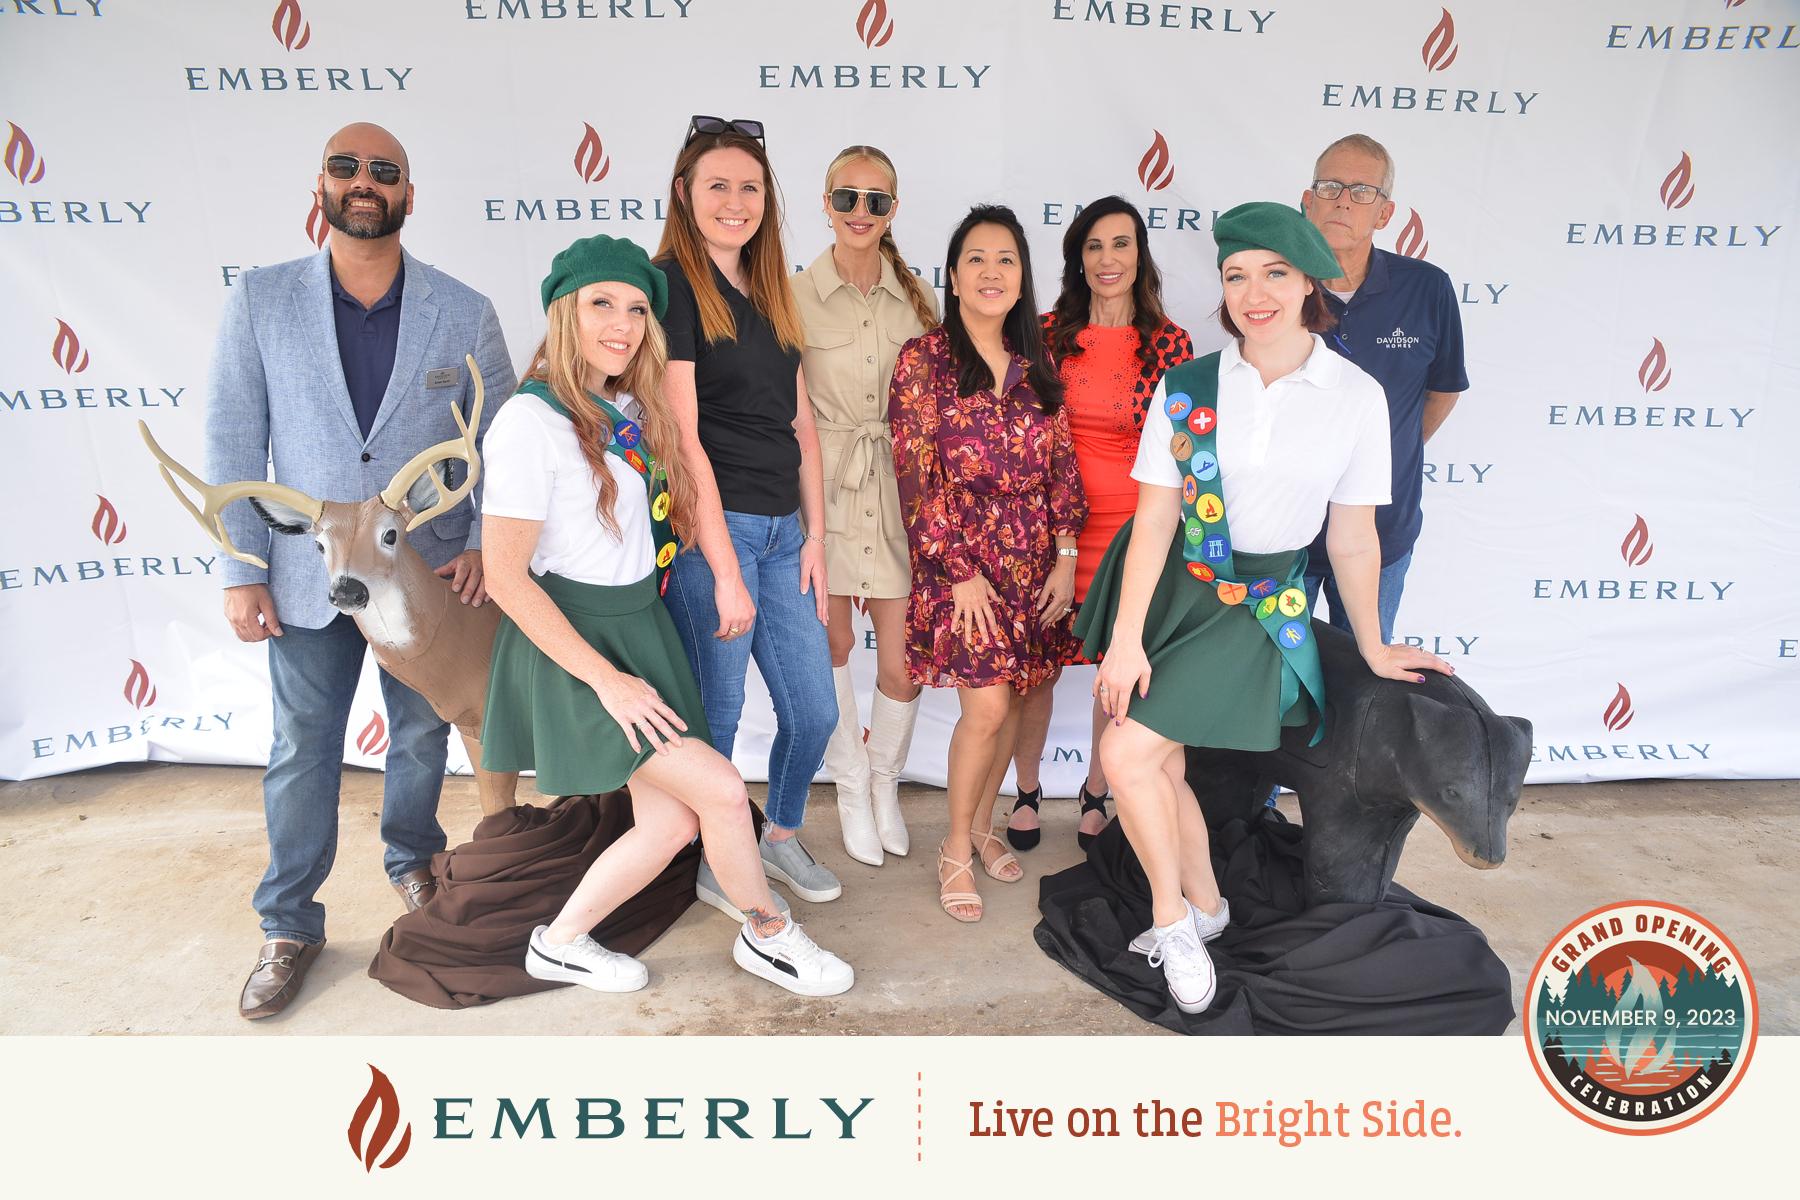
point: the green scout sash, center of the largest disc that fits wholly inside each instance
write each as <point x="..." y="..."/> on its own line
<point x="626" y="442"/>
<point x="1279" y="605"/>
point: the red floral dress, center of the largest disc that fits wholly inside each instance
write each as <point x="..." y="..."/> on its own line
<point x="987" y="483"/>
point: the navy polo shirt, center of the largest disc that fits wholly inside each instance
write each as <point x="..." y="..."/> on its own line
<point x="367" y="339"/>
<point x="1404" y="327"/>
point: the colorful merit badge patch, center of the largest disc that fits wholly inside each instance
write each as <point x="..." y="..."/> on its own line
<point x="1232" y="593"/>
<point x="666" y="555"/>
<point x="627" y="434"/>
<point x="1178" y="406"/>
<point x="1202" y="421"/>
<point x="659" y="507"/>
<point x="1204" y="466"/>
<point x="636" y="460"/>
<point x="1201" y="571"/>
<point x="1291" y="603"/>
<point x="1210" y="508"/>
<point x="1641" y="1017"/>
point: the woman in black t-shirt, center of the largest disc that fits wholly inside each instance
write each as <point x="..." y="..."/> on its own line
<point x="757" y="588"/>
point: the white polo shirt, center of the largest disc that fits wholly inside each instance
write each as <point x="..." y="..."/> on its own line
<point x="1318" y="435"/>
<point x="534" y="471"/>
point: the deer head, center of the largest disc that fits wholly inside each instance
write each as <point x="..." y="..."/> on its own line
<point x="368" y="562"/>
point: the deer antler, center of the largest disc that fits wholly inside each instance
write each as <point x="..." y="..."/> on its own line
<point x="394" y="494"/>
<point x="217" y="496"/>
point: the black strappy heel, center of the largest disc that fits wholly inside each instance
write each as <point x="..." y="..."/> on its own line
<point x="1089" y="803"/>
<point x="1025" y="839"/>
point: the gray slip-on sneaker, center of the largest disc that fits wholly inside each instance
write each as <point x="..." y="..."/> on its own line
<point x="788" y="862"/>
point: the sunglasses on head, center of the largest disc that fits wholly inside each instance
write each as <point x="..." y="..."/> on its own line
<point x="880" y="204"/>
<point x="698" y="126"/>
<point x="345" y="166"/>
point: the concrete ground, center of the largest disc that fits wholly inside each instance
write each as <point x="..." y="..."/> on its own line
<point x="124" y="908"/>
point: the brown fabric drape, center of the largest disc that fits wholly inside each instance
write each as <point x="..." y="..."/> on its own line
<point x="467" y="946"/>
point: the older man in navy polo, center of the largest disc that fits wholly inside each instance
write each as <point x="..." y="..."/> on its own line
<point x="1398" y="320"/>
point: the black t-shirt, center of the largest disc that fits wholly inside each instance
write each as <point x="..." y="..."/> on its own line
<point x="747" y="399"/>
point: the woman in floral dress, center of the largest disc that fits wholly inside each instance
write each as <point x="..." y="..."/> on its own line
<point x="992" y="502"/>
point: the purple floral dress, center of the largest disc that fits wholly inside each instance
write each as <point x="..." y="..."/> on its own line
<point x="986" y="485"/>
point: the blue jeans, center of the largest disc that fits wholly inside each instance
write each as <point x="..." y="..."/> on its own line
<point x="787" y="641"/>
<point x="313" y="674"/>
<point x="1393" y="583"/>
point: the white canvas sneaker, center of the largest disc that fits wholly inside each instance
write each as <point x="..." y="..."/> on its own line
<point x="1187" y="968"/>
<point x="794" y="961"/>
<point x="1210" y="927"/>
<point x="584" y="961"/>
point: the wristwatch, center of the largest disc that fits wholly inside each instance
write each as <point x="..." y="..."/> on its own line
<point x="1066" y="552"/>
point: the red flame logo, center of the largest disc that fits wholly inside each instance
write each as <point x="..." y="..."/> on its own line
<point x="67" y="351"/>
<point x="1733" y="3"/>
<point x="859" y="604"/>
<point x="317" y="227"/>
<point x="379" y="1096"/>
<point x="138" y="692"/>
<point x="1654" y="372"/>
<point x="1156" y="170"/>
<point x="1618" y="714"/>
<point x="591" y="162"/>
<point x="107" y="526"/>
<point x="1411" y="241"/>
<point x="373" y="739"/>
<point x="1678" y="185"/>
<point x="22" y="161"/>
<point x="290" y="28"/>
<point x="873" y="25"/>
<point x="1440" y="47"/>
<point x="1637" y="547"/>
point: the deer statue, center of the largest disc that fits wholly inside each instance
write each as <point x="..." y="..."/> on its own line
<point x="421" y="633"/>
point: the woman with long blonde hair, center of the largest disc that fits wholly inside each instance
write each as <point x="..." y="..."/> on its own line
<point x="590" y="687"/>
<point x="758" y="586"/>
<point x="860" y="303"/>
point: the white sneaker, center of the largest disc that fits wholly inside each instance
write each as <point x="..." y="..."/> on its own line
<point x="1187" y="968"/>
<point x="708" y="891"/>
<point x="584" y="961"/>
<point x="794" y="961"/>
<point x="1210" y="927"/>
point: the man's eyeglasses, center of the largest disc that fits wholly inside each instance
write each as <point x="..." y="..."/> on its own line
<point x="843" y="200"/>
<point x="698" y="125"/>
<point x="345" y="166"/>
<point x="1361" y="193"/>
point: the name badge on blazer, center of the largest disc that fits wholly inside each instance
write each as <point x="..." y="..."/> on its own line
<point x="443" y="377"/>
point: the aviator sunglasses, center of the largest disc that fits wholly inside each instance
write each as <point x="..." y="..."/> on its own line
<point x="843" y="200"/>
<point x="699" y="125"/>
<point x="345" y="166"/>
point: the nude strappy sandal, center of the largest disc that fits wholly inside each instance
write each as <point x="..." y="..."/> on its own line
<point x="993" y="869"/>
<point x="946" y="898"/>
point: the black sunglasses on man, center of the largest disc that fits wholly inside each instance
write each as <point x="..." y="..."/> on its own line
<point x="345" y="166"/>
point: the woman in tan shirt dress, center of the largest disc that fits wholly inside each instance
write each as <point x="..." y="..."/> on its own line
<point x="860" y="303"/>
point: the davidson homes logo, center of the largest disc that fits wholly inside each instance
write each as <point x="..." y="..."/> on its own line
<point x="27" y="165"/>
<point x="1654" y="374"/>
<point x="874" y="28"/>
<point x="1641" y="1017"/>
<point x="293" y="33"/>
<point x="1677" y="190"/>
<point x="67" y="354"/>
<point x="139" y="693"/>
<point x="592" y="164"/>
<point x="1437" y="54"/>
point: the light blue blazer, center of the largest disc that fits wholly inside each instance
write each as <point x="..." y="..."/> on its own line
<point x="277" y="397"/>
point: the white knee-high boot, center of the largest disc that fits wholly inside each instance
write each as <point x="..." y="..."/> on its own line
<point x="890" y="737"/>
<point x="848" y="761"/>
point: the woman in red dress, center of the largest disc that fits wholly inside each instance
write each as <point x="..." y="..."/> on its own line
<point x="992" y="506"/>
<point x="1112" y="343"/>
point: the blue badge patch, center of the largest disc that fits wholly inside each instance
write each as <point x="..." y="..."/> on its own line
<point x="1178" y="406"/>
<point x="1263" y="587"/>
<point x="627" y="434"/>
<point x="1204" y="466"/>
<point x="1216" y="549"/>
<point x="1291" y="635"/>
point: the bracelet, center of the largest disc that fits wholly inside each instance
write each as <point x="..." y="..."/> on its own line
<point x="1066" y="552"/>
<point x="813" y="537"/>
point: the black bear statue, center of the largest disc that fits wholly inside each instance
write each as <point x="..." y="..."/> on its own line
<point x="1391" y="751"/>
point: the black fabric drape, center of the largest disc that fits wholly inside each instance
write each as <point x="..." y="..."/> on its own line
<point x="1399" y="966"/>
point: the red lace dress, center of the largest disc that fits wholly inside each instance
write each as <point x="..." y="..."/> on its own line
<point x="987" y="483"/>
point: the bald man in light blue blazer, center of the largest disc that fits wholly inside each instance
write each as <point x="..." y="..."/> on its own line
<point x="336" y="369"/>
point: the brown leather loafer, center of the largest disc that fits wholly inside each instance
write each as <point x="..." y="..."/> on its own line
<point x="275" y="981"/>
<point x="416" y="887"/>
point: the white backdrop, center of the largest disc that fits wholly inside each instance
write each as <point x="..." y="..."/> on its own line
<point x="1610" y="512"/>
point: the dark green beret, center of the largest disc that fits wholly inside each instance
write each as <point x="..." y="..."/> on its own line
<point x="602" y="258"/>
<point x="1265" y="225"/>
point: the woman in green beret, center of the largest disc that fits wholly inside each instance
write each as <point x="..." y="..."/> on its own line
<point x="590" y="686"/>
<point x="1199" y="606"/>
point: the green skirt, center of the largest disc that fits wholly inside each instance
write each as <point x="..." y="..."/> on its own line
<point x="1215" y="674"/>
<point x="539" y="717"/>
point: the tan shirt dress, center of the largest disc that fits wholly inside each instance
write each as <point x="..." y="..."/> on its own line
<point x="852" y="341"/>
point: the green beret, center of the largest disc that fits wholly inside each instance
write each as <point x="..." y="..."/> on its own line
<point x="1265" y="225"/>
<point x="602" y="258"/>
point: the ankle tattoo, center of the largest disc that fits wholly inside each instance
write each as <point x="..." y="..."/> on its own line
<point x="764" y="923"/>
